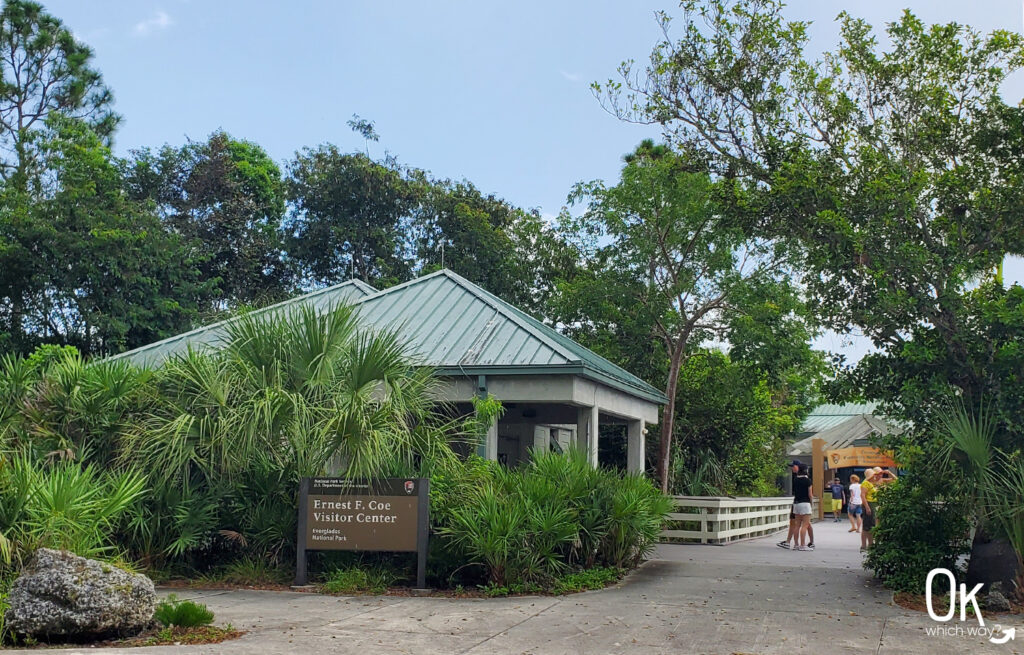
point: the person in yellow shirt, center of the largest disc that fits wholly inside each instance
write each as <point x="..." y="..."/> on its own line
<point x="873" y="478"/>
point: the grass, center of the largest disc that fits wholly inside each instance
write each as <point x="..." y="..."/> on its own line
<point x="248" y="572"/>
<point x="358" y="580"/>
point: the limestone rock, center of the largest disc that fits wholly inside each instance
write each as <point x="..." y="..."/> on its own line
<point x="61" y="596"/>
<point x="997" y="602"/>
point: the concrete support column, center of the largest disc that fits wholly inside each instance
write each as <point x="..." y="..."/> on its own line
<point x="582" y="419"/>
<point x="635" y="443"/>
<point x="488" y="449"/>
<point x="592" y="436"/>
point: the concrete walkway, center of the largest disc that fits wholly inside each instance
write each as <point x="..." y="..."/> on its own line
<point x="745" y="598"/>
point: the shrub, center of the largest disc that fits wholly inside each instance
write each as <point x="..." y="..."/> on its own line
<point x="530" y="526"/>
<point x="63" y="506"/>
<point x="5" y="588"/>
<point x="596" y="578"/>
<point x="182" y="613"/>
<point x="251" y="571"/>
<point x="636" y="516"/>
<point x="915" y="534"/>
<point x="354" y="579"/>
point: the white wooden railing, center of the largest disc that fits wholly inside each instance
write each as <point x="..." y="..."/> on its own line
<point x="722" y="519"/>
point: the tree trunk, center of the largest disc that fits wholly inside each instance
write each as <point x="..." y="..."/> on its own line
<point x="992" y="560"/>
<point x="668" y="419"/>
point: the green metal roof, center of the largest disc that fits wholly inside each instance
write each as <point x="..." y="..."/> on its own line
<point x="450" y="324"/>
<point x="824" y="417"/>
<point x="458" y="328"/>
<point x="211" y="336"/>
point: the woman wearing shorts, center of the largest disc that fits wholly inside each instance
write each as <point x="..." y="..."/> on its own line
<point x="802" y="497"/>
<point x="856" y="510"/>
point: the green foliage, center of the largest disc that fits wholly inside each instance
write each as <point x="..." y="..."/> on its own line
<point x="992" y="479"/>
<point x="889" y="164"/>
<point x="6" y="579"/>
<point x="100" y="271"/>
<point x="197" y="464"/>
<point x="595" y="578"/>
<point x="347" y="217"/>
<point x="62" y="506"/>
<point x="920" y="528"/>
<point x="533" y="525"/>
<point x="731" y="426"/>
<point x="226" y="198"/>
<point x="358" y="579"/>
<point x="171" y="612"/>
<point x="669" y="266"/>
<point x="508" y="251"/>
<point x="229" y="435"/>
<point x="248" y="571"/>
<point x="46" y="71"/>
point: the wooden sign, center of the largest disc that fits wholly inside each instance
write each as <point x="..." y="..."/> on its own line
<point x="858" y="456"/>
<point x="367" y="515"/>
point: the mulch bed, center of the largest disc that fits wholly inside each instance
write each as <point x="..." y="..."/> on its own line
<point x="220" y="586"/>
<point x="153" y="637"/>
<point x="180" y="636"/>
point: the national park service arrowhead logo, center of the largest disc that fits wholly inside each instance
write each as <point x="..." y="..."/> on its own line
<point x="410" y="486"/>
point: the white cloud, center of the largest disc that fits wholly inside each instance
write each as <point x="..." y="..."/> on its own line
<point x="160" y="21"/>
<point x="572" y="77"/>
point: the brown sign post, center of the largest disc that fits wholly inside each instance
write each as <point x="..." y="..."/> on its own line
<point x="383" y="515"/>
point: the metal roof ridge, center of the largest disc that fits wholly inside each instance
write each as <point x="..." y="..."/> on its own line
<point x="403" y="285"/>
<point x="503" y="307"/>
<point x="237" y="315"/>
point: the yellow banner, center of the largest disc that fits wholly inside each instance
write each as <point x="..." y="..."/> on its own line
<point x="858" y="456"/>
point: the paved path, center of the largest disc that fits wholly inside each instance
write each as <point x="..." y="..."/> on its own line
<point x="747" y="598"/>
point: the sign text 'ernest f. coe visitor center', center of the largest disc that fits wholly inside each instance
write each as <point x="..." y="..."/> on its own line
<point x="367" y="515"/>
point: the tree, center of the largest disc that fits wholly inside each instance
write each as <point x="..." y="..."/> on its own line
<point x="44" y="71"/>
<point x="349" y="214"/>
<point x="663" y="253"/>
<point x="226" y="198"/>
<point x="509" y="251"/>
<point x="108" y="276"/>
<point x="728" y="412"/>
<point x="895" y="171"/>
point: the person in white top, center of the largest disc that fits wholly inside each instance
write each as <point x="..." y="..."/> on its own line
<point x="855" y="512"/>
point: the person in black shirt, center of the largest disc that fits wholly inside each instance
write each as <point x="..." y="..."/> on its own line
<point x="797" y="466"/>
<point x="803" y="495"/>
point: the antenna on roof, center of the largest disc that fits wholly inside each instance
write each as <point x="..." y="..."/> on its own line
<point x="442" y="254"/>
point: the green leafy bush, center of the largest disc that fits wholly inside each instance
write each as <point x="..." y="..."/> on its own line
<point x="535" y="524"/>
<point x="182" y="613"/>
<point x="915" y="534"/>
<point x="356" y="579"/>
<point x="595" y="578"/>
<point x="64" y="506"/>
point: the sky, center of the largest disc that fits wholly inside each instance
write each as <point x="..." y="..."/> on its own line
<point x="496" y="93"/>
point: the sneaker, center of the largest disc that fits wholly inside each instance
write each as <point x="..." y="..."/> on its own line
<point x="852" y="530"/>
<point x="804" y="548"/>
<point x="783" y="544"/>
<point x="810" y="546"/>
